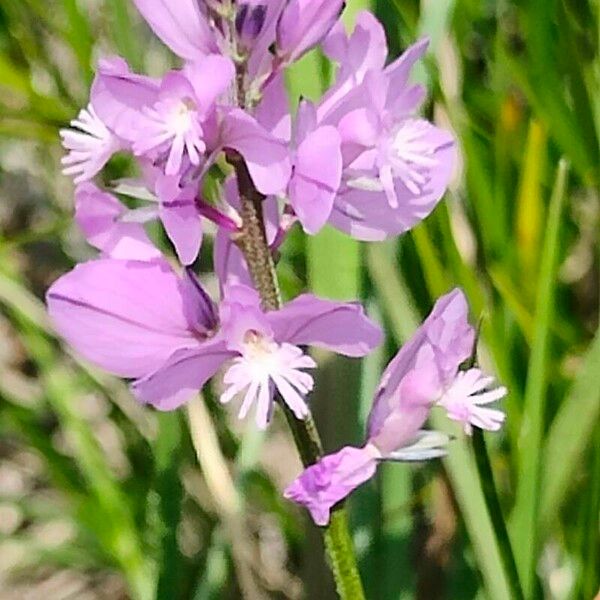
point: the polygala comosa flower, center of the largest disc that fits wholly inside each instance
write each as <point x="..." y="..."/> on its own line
<point x="425" y="373"/>
<point x="143" y="321"/>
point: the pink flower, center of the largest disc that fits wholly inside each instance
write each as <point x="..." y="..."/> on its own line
<point x="180" y="124"/>
<point x="141" y="320"/>
<point x="171" y="120"/>
<point x="396" y="165"/>
<point x="423" y="374"/>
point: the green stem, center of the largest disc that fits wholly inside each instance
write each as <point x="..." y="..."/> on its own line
<point x="486" y="479"/>
<point x="253" y="243"/>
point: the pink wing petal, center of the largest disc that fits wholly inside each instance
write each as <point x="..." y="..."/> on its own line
<point x="118" y="97"/>
<point x="364" y="51"/>
<point x="341" y="327"/>
<point x="182" y="376"/>
<point x="127" y="317"/>
<point x="98" y="215"/>
<point x="210" y="77"/>
<point x="267" y="157"/>
<point x="180" y="25"/>
<point x="409" y="408"/>
<point x="303" y="24"/>
<point x="183" y="225"/>
<point x="399" y="71"/>
<point x="317" y="177"/>
<point x="273" y="111"/>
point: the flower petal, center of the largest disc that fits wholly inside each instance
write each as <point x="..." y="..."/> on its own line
<point x="330" y="480"/>
<point x="180" y="25"/>
<point x="364" y="51"/>
<point x="303" y="24"/>
<point x="210" y="77"/>
<point x="273" y="111"/>
<point x="407" y="410"/>
<point x="266" y="156"/>
<point x="127" y="317"/>
<point x="118" y="95"/>
<point x="183" y="225"/>
<point x="341" y="327"/>
<point x="182" y="376"/>
<point x="98" y="215"/>
<point x="426" y="445"/>
<point x="317" y="177"/>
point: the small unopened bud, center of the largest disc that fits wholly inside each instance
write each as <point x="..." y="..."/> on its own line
<point x="249" y="22"/>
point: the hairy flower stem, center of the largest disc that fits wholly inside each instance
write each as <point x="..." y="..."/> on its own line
<point x="253" y="243"/>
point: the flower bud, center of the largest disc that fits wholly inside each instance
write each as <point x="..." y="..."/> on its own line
<point x="249" y="22"/>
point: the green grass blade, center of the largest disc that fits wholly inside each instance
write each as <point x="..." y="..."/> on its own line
<point x="570" y="435"/>
<point x="334" y="264"/>
<point x="121" y="27"/>
<point x="62" y="389"/>
<point x="525" y="518"/>
<point x="79" y="36"/>
<point x="168" y="494"/>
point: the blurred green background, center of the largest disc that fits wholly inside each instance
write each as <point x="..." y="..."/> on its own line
<point x="100" y="498"/>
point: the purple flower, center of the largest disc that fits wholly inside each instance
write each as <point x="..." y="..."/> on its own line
<point x="140" y="320"/>
<point x="396" y="165"/>
<point x="168" y="121"/>
<point x="424" y="373"/>
<point x="177" y="122"/>
<point x="177" y="130"/>
<point x="303" y="24"/>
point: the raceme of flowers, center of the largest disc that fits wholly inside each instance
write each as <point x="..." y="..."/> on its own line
<point x="361" y="160"/>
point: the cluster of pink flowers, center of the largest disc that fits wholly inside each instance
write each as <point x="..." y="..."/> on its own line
<point x="361" y="160"/>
